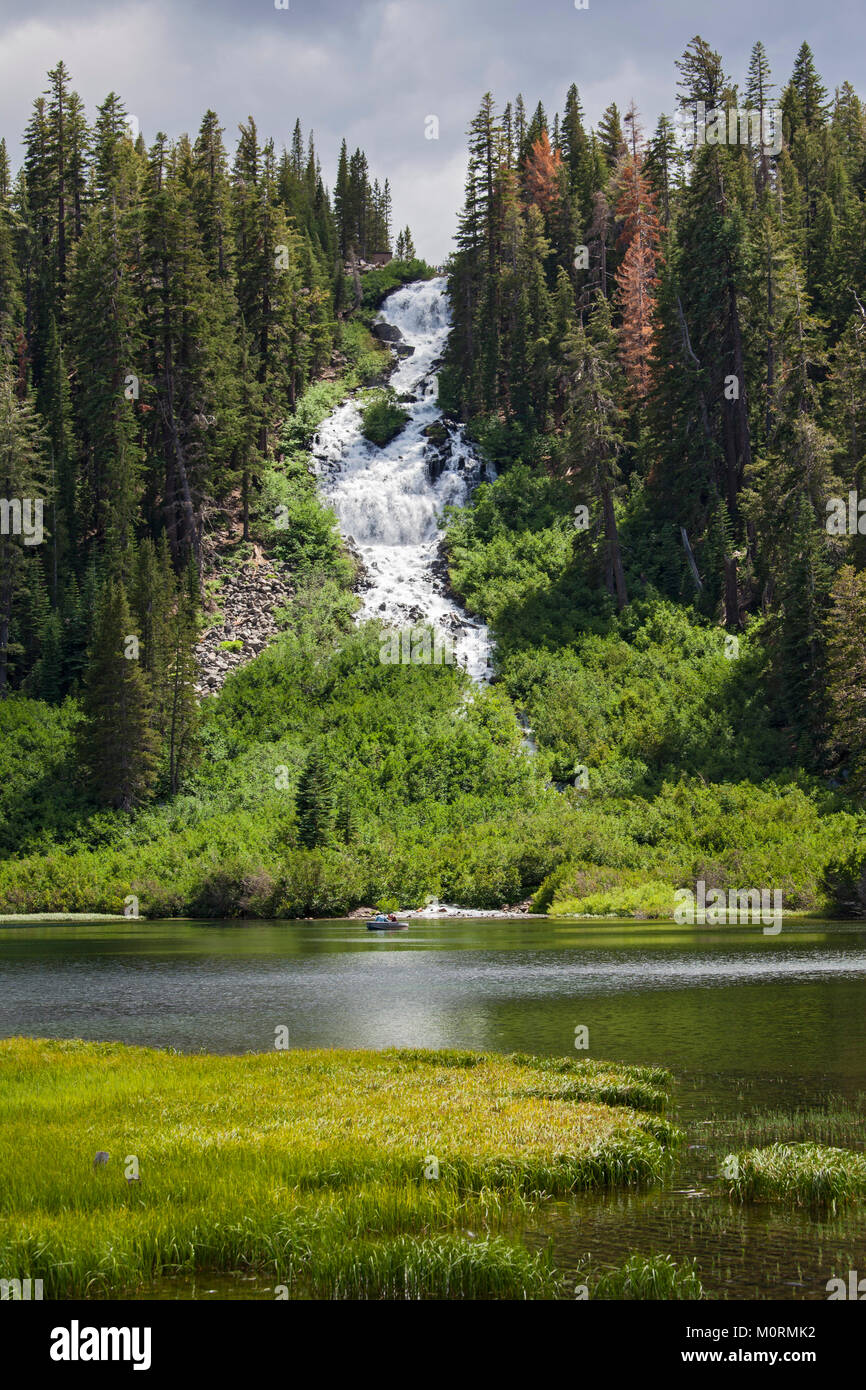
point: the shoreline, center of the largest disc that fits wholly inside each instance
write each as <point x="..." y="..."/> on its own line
<point x="450" y="914"/>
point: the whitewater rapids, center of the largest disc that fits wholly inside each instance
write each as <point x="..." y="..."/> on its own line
<point x="387" y="500"/>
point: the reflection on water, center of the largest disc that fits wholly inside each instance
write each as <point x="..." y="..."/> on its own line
<point x="745" y="1021"/>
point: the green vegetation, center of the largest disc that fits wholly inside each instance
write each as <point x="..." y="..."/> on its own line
<point x="838" y="1122"/>
<point x="681" y="725"/>
<point x="804" y="1174"/>
<point x="382" y="418"/>
<point x="845" y="882"/>
<point x="377" y="284"/>
<point x="646" y="1277"/>
<point x="422" y="781"/>
<point x="288" y="516"/>
<point x="668" y="598"/>
<point x="276" y="1161"/>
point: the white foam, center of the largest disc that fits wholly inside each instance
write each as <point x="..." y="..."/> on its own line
<point x="384" y="499"/>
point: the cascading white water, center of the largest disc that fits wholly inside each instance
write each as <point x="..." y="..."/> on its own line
<point x="387" y="500"/>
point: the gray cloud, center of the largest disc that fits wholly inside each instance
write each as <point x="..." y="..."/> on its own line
<point x="372" y="70"/>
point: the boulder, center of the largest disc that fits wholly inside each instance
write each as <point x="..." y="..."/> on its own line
<point x="387" y="333"/>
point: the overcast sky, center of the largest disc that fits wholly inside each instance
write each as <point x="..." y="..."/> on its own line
<point x="374" y="70"/>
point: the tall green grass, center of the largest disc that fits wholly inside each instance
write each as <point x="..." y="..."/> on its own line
<point x="658" y="1277"/>
<point x="838" y="1121"/>
<point x="802" y="1174"/>
<point x="314" y="1166"/>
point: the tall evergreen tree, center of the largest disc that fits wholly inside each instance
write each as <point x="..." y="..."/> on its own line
<point x="314" y="801"/>
<point x="117" y="743"/>
<point x="23" y="494"/>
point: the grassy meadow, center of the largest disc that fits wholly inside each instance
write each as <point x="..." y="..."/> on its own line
<point x="314" y="1168"/>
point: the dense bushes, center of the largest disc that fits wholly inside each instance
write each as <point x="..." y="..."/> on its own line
<point x="515" y="557"/>
<point x="429" y="791"/>
<point x="635" y="698"/>
<point x="377" y="284"/>
<point x="591" y="855"/>
<point x="289" y="515"/>
<point x="36" y="744"/>
<point x="844" y="880"/>
<point x="653" y="698"/>
<point x="382" y="419"/>
<point x="638" y="851"/>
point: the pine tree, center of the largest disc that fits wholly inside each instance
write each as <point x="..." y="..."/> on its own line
<point x="807" y="85"/>
<point x="188" y="330"/>
<point x="314" y="801"/>
<point x="846" y="671"/>
<point x="610" y="135"/>
<point x="22" y="485"/>
<point x="114" y="158"/>
<point x="758" y="83"/>
<point x="48" y="682"/>
<point x="636" y="277"/>
<point x="595" y="438"/>
<point x="849" y="129"/>
<point x="541" y="173"/>
<point x="107" y="359"/>
<point x="346" y="821"/>
<point x="211" y="196"/>
<point x="118" y="745"/>
<point x="59" y="143"/>
<point x="574" y="141"/>
<point x="11" y="304"/>
<point x="803" y="597"/>
<point x="180" y="702"/>
<point x="758" y="89"/>
<point x="342" y="201"/>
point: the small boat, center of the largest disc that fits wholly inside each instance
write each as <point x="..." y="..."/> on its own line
<point x="382" y="923"/>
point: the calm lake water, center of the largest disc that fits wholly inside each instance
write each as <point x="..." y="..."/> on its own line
<point x="744" y="1021"/>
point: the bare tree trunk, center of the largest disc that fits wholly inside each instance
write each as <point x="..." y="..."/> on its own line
<point x="613" y="549"/>
<point x="170" y="429"/>
<point x="771" y="351"/>
<point x="691" y="559"/>
<point x="5" y="613"/>
<point x="732" y="600"/>
<point x="356" y="279"/>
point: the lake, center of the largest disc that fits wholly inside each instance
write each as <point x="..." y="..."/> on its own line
<point x="745" y="1021"/>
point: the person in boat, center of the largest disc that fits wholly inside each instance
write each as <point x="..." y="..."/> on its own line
<point x="392" y="916"/>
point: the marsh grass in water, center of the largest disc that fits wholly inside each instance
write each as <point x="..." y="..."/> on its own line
<point x="308" y="1165"/>
<point x="645" y="1088"/>
<point x="645" y="1277"/>
<point x="839" y="1122"/>
<point x="804" y="1174"/>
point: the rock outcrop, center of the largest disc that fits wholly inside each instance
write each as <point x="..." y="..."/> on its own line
<point x="387" y="333"/>
<point x="247" y="601"/>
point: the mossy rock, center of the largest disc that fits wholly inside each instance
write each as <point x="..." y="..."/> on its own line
<point x="436" y="432"/>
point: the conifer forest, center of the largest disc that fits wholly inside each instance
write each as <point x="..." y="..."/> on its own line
<point x="433" y="501"/>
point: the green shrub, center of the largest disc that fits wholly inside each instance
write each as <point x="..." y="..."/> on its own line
<point x="651" y="899"/>
<point x="377" y="284"/>
<point x="844" y="880"/>
<point x="367" y="359"/>
<point x="802" y="1174"/>
<point x="382" y="419"/>
<point x="647" y="1277"/>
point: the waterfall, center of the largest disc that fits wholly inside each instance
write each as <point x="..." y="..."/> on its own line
<point x="387" y="500"/>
